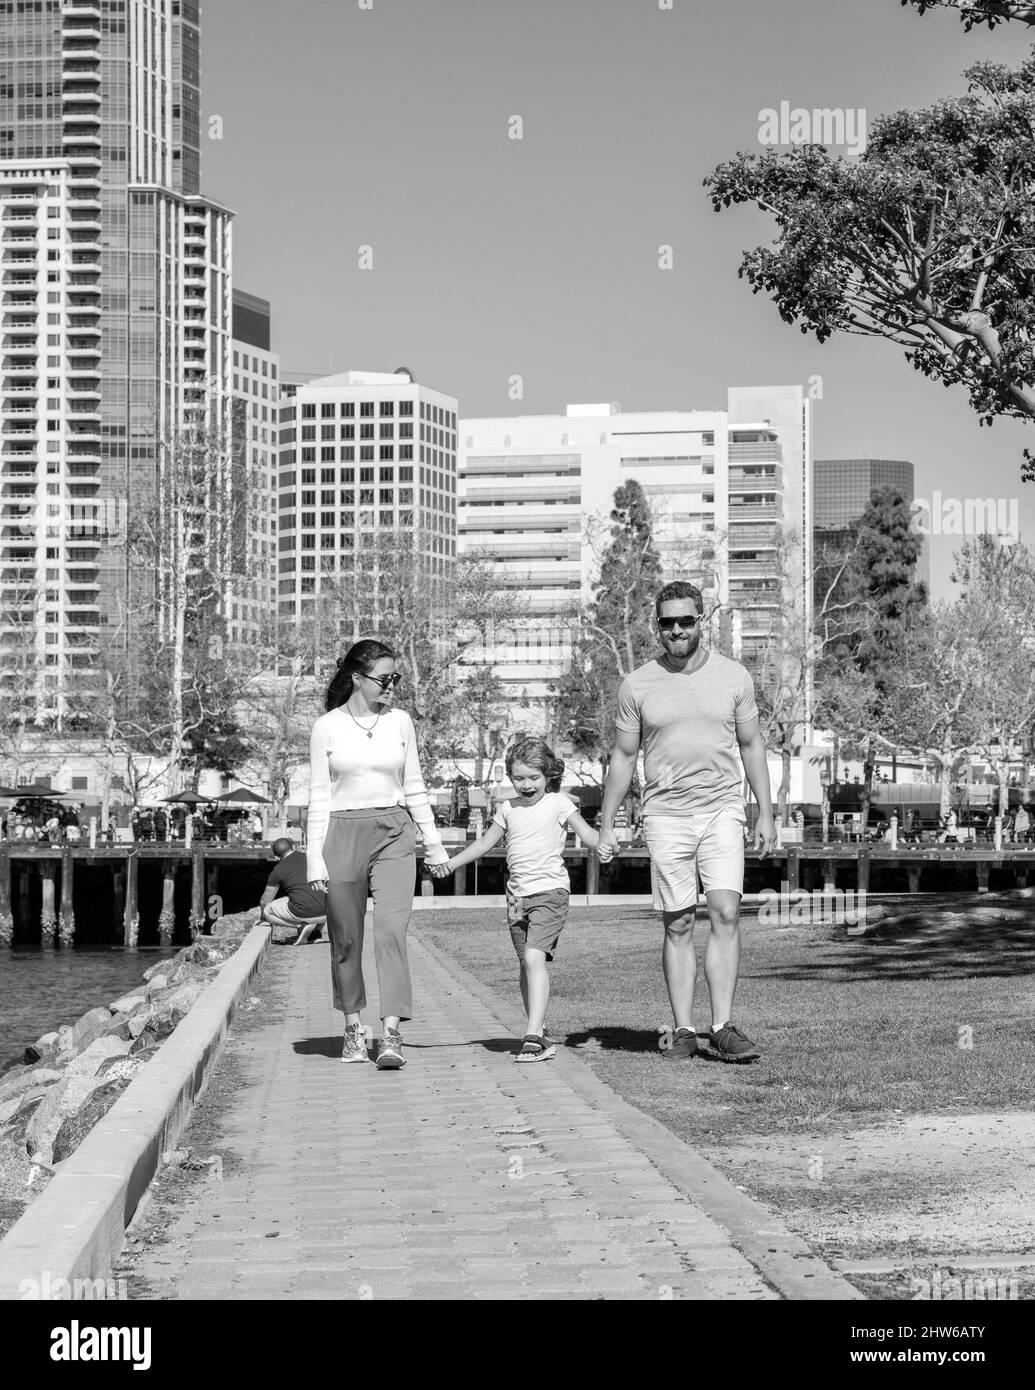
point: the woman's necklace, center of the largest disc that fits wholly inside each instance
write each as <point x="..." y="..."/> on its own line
<point x="369" y="732"/>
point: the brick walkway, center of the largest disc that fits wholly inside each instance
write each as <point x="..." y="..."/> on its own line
<point x="461" y="1176"/>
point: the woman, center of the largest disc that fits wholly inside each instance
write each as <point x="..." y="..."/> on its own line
<point x="366" y="791"/>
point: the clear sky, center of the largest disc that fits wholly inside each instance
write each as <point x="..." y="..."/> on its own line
<point x="388" y="127"/>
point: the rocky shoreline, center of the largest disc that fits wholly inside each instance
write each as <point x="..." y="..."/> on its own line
<point x="69" y="1079"/>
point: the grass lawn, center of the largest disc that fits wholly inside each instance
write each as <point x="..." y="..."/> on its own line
<point x="866" y="1124"/>
<point x="853" y="1030"/>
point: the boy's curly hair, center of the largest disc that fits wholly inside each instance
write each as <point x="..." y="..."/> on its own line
<point x="537" y="753"/>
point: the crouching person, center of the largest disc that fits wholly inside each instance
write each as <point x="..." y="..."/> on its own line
<point x="287" y="900"/>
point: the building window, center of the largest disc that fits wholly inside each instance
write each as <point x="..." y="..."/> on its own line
<point x="366" y="497"/>
<point x="348" y="409"/>
<point x="406" y="408"/>
<point x="327" y="410"/>
<point x="386" y="431"/>
<point x="366" y="408"/>
<point x="366" y="475"/>
<point x="348" y="475"/>
<point x="386" y="496"/>
<point x="387" y="451"/>
<point x="366" y="452"/>
<point x="308" y="410"/>
<point x="387" y="407"/>
<point x="366" y="431"/>
<point x="348" y="498"/>
<point x="348" y="431"/>
<point x="387" y="518"/>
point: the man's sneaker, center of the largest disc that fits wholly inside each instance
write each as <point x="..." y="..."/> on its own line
<point x="354" y="1046"/>
<point x="389" y="1052"/>
<point x="732" y="1045"/>
<point x="536" y="1049"/>
<point x="682" y="1047"/>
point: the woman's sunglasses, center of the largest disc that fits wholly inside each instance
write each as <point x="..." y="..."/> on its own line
<point x="385" y="682"/>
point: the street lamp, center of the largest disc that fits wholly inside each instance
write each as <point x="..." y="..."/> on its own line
<point x="824" y="781"/>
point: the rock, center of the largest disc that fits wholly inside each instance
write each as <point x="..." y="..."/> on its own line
<point x="17" y="1126"/>
<point x="39" y="1082"/>
<point x="75" y="1127"/>
<point x="163" y="1013"/>
<point x="234" y="924"/>
<point x="67" y="1095"/>
<point x="156" y="983"/>
<point x="126" y="1003"/>
<point x="20" y="1179"/>
<point x="120" y="1066"/>
<point x="189" y="970"/>
<point x="144" y="1048"/>
<point x="14" y="1082"/>
<point x="161" y="967"/>
<point x="92" y="1024"/>
<point x="214" y="951"/>
<point x="52" y="1046"/>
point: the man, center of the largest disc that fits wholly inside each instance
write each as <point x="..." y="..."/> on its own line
<point x="302" y="907"/>
<point x="690" y="710"/>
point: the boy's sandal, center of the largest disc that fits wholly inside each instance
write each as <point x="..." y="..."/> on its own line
<point x="535" y="1049"/>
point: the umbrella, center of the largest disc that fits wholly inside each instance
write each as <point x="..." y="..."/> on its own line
<point x="39" y="793"/>
<point x="239" y="795"/>
<point x="189" y="799"/>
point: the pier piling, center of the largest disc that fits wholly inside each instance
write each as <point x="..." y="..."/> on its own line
<point x="66" y="922"/>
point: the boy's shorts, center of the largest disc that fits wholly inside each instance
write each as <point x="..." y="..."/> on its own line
<point x="681" y="847"/>
<point x="537" y="920"/>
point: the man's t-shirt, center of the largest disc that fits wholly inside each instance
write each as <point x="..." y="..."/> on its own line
<point x="687" y="726"/>
<point x="535" y="839"/>
<point x="291" y="877"/>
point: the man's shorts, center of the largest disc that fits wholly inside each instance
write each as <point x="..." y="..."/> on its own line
<point x="279" y="913"/>
<point x="681" y="847"/>
<point x="537" y="920"/>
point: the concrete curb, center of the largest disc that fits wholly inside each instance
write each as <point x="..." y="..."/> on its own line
<point x="75" y="1229"/>
<point x="782" y="1258"/>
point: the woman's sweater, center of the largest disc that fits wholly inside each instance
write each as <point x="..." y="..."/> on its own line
<point x="350" y="772"/>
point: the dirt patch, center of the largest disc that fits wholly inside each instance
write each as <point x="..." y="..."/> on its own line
<point x="930" y="1197"/>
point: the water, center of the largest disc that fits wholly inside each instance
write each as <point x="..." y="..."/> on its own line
<point x="40" y="990"/>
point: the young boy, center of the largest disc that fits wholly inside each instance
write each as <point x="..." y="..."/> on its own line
<point x="535" y="825"/>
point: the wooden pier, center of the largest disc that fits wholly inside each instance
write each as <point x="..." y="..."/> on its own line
<point x="800" y="867"/>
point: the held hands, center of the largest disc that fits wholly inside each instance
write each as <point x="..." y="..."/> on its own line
<point x="442" y="870"/>
<point x="607" y="845"/>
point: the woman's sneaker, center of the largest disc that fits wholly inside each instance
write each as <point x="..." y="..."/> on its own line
<point x="682" y="1047"/>
<point x="389" y="1052"/>
<point x="354" y="1045"/>
<point x="536" y="1049"/>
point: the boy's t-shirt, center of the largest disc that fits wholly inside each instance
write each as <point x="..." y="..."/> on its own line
<point x="535" y="838"/>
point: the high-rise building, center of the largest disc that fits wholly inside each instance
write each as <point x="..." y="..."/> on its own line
<point x="117" y="306"/>
<point x="362" y="454"/>
<point x="842" y="494"/>
<point x="256" y="422"/>
<point x="535" y="493"/>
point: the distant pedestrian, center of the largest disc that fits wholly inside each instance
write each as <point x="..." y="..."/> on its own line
<point x="1021" y="826"/>
<point x="300" y="906"/>
<point x="257" y="827"/>
<point x="161" y="823"/>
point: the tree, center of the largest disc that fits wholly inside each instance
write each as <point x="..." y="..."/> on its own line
<point x="925" y="240"/>
<point x="20" y="619"/>
<point x="869" y="609"/>
<point x="997" y="604"/>
<point x="616" y="634"/>
<point x="183" y="542"/>
<point x="976" y="12"/>
<point x="433" y="622"/>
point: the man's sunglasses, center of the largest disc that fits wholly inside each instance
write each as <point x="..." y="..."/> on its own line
<point x="685" y="621"/>
<point x="385" y="682"/>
